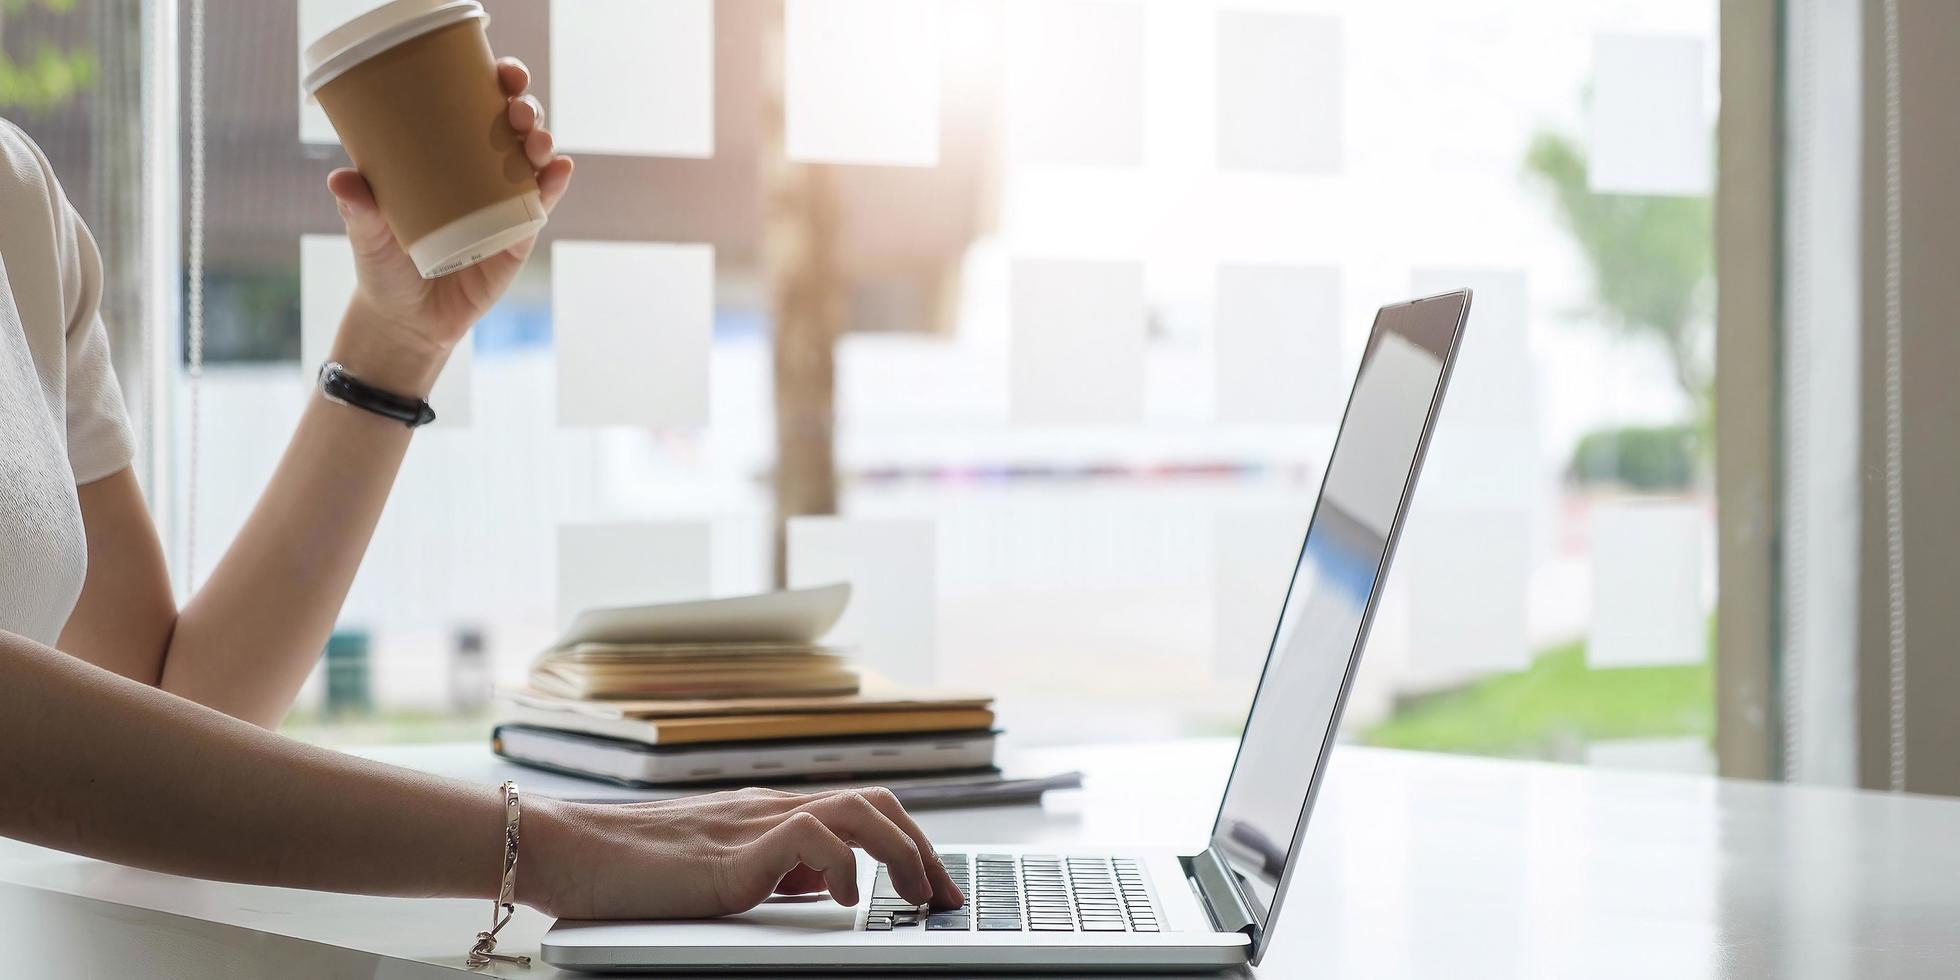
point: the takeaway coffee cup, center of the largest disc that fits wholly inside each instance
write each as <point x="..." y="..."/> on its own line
<point x="412" y="89"/>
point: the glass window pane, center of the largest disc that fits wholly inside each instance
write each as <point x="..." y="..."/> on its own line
<point x="1056" y="393"/>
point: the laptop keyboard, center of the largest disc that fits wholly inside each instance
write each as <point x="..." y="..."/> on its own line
<point x="1025" y="893"/>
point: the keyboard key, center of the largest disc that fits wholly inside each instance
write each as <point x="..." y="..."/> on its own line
<point x="1036" y="893"/>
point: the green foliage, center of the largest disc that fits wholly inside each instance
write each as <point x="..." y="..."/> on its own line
<point x="1553" y="708"/>
<point x="47" y="81"/>
<point x="1652" y="257"/>
<point x="1647" y="459"/>
<point x="22" y="6"/>
<point x="53" y="75"/>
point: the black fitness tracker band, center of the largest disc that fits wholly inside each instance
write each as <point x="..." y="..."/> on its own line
<point x="339" y="386"/>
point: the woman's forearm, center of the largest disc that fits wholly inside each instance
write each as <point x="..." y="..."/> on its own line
<point x="98" y="764"/>
<point x="102" y="765"/>
<point x="248" y="638"/>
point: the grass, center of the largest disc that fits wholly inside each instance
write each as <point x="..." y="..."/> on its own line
<point x="1554" y="707"/>
<point x="386" y="727"/>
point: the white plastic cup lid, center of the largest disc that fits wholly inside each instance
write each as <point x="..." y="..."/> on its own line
<point x="378" y="30"/>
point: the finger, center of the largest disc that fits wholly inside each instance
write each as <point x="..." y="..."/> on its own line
<point x="367" y="230"/>
<point x="537" y="148"/>
<point x="801" y="881"/>
<point x="514" y="77"/>
<point x="526" y="112"/>
<point x="852" y="817"/>
<point x="351" y="190"/>
<point x="553" y="181"/>
<point x="945" y="894"/>
<point x="804" y="840"/>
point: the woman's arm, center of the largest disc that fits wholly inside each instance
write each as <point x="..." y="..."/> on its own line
<point x="249" y="636"/>
<point x="101" y="765"/>
<point x="246" y="640"/>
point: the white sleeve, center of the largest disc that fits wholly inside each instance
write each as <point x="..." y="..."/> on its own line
<point x="99" y="439"/>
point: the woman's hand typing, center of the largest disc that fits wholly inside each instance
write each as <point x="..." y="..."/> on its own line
<point x="719" y="854"/>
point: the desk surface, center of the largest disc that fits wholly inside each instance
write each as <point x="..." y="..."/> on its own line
<point x="1416" y="865"/>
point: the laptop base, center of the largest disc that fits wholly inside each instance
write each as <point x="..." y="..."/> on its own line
<point x="812" y="934"/>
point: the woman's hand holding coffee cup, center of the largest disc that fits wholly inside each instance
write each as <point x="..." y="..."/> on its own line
<point x="404" y="324"/>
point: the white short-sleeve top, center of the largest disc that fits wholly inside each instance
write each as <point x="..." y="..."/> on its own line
<point x="62" y="422"/>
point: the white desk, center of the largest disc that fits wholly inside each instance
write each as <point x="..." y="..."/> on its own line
<point x="1417" y="866"/>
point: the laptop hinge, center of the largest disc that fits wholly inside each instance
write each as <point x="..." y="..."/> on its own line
<point x="1224" y="897"/>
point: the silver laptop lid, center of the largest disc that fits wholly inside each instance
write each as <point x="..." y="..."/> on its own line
<point x="1323" y="626"/>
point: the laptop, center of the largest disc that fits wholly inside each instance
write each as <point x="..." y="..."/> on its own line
<point x="1086" y="909"/>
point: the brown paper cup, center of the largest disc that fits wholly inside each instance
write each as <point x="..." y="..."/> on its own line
<point x="411" y="87"/>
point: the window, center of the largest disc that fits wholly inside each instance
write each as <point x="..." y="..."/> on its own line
<point x="73" y="77"/>
<point x="1101" y="301"/>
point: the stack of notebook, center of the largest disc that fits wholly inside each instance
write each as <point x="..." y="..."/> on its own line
<point x="701" y="695"/>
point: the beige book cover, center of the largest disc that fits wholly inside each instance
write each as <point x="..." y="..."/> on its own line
<point x="755" y="727"/>
<point x="874" y="694"/>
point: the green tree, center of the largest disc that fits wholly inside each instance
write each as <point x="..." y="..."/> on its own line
<point x="50" y="77"/>
<point x="1652" y="259"/>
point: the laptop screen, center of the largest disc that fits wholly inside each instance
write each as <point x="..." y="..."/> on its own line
<point x="1324" y="621"/>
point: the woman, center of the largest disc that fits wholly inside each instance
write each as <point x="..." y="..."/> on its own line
<point x="139" y="733"/>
